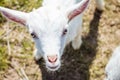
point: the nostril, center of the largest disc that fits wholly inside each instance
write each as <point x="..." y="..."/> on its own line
<point x="52" y="59"/>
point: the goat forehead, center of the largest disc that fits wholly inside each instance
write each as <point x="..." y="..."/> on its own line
<point x="50" y="14"/>
<point x="45" y="19"/>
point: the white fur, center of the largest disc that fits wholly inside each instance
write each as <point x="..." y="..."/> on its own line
<point x="112" y="69"/>
<point x="48" y="22"/>
<point x="100" y="4"/>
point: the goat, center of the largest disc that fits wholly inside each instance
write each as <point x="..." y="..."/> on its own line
<point x="112" y="69"/>
<point x="53" y="26"/>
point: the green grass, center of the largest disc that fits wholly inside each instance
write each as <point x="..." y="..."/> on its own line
<point x="3" y="56"/>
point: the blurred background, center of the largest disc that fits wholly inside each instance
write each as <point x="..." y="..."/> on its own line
<point x="101" y="35"/>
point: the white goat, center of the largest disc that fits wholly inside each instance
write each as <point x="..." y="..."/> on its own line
<point x="52" y="27"/>
<point x="113" y="67"/>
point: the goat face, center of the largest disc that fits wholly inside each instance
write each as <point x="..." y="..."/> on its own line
<point x="49" y="28"/>
<point x="49" y="32"/>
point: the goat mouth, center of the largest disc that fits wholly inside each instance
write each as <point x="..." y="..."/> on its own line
<point x="53" y="68"/>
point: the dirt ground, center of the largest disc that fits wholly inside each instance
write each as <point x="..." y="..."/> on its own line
<point x="101" y="34"/>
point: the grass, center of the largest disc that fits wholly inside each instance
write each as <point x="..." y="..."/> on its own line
<point x="3" y="56"/>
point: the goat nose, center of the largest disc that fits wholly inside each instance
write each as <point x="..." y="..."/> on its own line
<point x="52" y="59"/>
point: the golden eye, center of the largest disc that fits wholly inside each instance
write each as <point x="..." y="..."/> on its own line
<point x="34" y="35"/>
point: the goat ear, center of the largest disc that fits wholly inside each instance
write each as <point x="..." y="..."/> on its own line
<point x="13" y="15"/>
<point x="77" y="9"/>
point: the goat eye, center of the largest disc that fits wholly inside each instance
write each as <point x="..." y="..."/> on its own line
<point x="34" y="35"/>
<point x="65" y="31"/>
